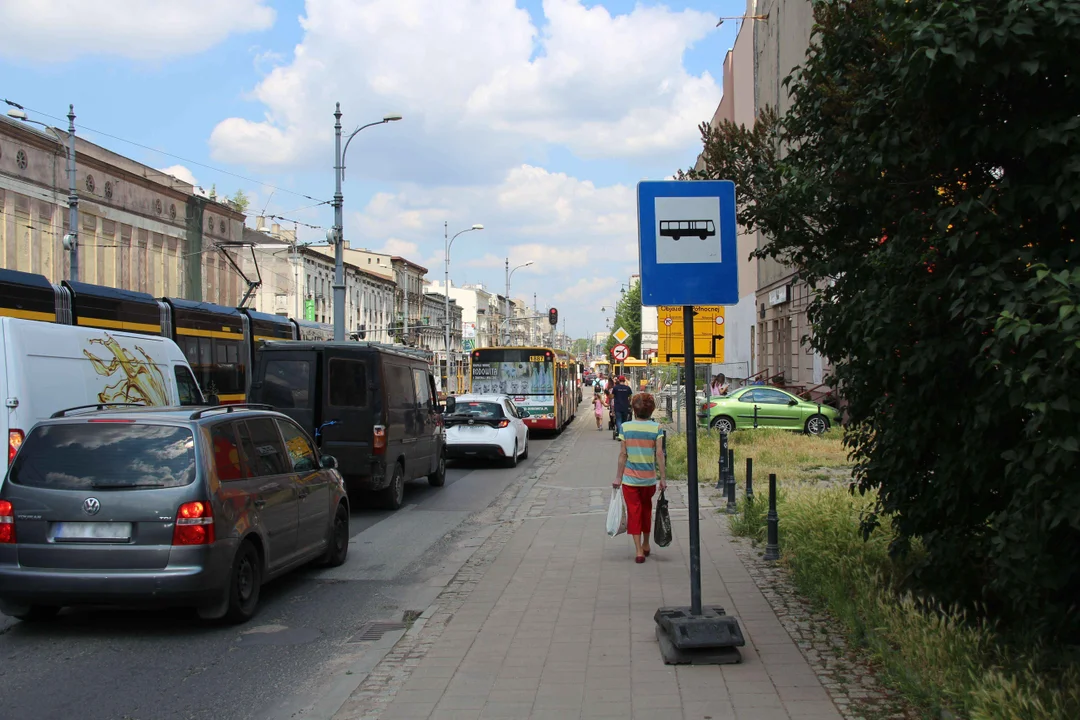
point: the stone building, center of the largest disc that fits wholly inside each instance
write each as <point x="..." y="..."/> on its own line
<point x="139" y="229"/>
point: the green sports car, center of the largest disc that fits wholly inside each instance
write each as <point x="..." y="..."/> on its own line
<point x="760" y="406"/>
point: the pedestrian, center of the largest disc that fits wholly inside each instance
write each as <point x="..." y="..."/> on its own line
<point x="719" y="385"/>
<point x="598" y="406"/>
<point x="620" y="402"/>
<point x="641" y="468"/>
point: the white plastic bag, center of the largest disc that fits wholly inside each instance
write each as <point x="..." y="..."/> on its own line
<point x="616" y="514"/>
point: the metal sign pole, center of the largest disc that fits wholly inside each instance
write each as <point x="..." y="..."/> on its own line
<point x="692" y="462"/>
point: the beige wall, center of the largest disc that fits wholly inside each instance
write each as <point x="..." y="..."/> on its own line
<point x="132" y="220"/>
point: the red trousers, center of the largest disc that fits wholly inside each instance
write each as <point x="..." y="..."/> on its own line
<point x="638" y="508"/>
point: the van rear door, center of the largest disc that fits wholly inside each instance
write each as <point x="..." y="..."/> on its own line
<point x="348" y="399"/>
<point x="286" y="379"/>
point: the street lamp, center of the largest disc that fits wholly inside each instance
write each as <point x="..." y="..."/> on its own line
<point x="448" y="241"/>
<point x="742" y="17"/>
<point x="509" y="305"/>
<point x="71" y="239"/>
<point x="336" y="234"/>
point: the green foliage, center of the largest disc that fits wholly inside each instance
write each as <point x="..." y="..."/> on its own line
<point x="628" y="316"/>
<point x="927" y="183"/>
<point x="937" y="657"/>
<point x="579" y="347"/>
<point x="240" y="200"/>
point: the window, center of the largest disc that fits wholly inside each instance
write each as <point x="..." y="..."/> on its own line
<point x="748" y="396"/>
<point x="119" y="456"/>
<point x="399" y="383"/>
<point x="226" y="452"/>
<point x="186" y="387"/>
<point x="263" y="451"/>
<point x="297" y="446"/>
<point x="771" y="397"/>
<point x="286" y="384"/>
<point x="348" y="383"/>
<point x="423" y="389"/>
<point x="485" y="410"/>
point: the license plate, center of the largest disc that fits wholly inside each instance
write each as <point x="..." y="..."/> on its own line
<point x="91" y="531"/>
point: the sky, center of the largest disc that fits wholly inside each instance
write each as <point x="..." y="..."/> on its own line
<point x="535" y="118"/>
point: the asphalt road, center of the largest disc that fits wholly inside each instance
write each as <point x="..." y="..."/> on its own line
<point x="152" y="665"/>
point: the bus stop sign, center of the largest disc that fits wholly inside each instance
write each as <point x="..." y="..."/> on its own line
<point x="687" y="243"/>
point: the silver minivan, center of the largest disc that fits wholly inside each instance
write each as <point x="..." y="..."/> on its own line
<point x="164" y="506"/>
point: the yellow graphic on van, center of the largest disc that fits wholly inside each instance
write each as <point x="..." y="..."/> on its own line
<point x="139" y="381"/>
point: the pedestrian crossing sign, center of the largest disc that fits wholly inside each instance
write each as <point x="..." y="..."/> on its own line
<point x="709" y="334"/>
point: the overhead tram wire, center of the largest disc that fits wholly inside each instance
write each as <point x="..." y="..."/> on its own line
<point x="174" y="156"/>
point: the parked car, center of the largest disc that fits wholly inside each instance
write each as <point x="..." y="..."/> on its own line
<point x="758" y="406"/>
<point x="486" y="426"/>
<point x="47" y="367"/>
<point x="372" y="406"/>
<point x="165" y="507"/>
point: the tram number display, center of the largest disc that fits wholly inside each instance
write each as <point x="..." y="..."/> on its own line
<point x="537" y="358"/>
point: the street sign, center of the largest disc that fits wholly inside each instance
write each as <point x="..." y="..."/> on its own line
<point x="620" y="335"/>
<point x="708" y="334"/>
<point x="620" y="352"/>
<point x="467" y="344"/>
<point x="687" y="243"/>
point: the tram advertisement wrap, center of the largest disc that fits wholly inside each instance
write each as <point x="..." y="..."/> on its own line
<point x="516" y="379"/>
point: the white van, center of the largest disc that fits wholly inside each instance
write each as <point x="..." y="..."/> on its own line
<point x="49" y="367"/>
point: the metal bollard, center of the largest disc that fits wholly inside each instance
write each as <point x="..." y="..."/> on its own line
<point x="721" y="463"/>
<point x="731" y="505"/>
<point x="749" y="480"/>
<point x="772" y="544"/>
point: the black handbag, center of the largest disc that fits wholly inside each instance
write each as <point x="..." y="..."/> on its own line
<point x="662" y="524"/>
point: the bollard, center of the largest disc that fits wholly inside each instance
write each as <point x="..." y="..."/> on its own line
<point x="731" y="506"/>
<point x="772" y="545"/>
<point x="749" y="480"/>
<point x="721" y="464"/>
<point x="755" y="416"/>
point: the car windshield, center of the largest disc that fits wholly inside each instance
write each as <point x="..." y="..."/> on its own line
<point x="479" y="409"/>
<point x="105" y="456"/>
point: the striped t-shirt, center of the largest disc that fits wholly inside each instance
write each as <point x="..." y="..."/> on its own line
<point x="640" y="438"/>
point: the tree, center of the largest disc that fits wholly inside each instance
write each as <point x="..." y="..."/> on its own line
<point x="628" y="317"/>
<point x="240" y="200"/>
<point x="926" y="181"/>
<point x="580" y="347"/>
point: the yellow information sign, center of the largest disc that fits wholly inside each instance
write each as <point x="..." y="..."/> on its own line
<point x="708" y="334"/>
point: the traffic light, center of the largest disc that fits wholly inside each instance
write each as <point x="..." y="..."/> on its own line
<point x="553" y="316"/>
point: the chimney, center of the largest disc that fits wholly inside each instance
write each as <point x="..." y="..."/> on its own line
<point x="275" y="230"/>
<point x="345" y="244"/>
<point x="260" y="223"/>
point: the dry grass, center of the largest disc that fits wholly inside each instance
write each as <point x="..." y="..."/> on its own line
<point x="791" y="455"/>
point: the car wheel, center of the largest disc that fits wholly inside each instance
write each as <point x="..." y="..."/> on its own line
<point x="817" y="425"/>
<point x="511" y="460"/>
<point x="245" y="583"/>
<point x="33" y="613"/>
<point x="393" y="497"/>
<point x="722" y="423"/>
<point x="525" y="452"/>
<point x="338" y="549"/>
<point x="438" y="478"/>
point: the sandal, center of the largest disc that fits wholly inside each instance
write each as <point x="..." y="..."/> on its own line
<point x="639" y="559"/>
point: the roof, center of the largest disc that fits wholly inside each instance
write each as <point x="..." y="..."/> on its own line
<point x="408" y="262"/>
<point x="410" y="353"/>
<point x="173" y="414"/>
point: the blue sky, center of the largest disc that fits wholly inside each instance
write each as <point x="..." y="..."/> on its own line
<point x="535" y="119"/>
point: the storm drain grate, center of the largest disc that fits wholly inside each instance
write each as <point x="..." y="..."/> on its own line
<point x="375" y="630"/>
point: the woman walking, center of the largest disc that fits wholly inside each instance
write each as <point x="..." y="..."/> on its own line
<point x="641" y="469"/>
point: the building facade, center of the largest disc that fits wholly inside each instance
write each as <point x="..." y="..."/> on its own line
<point x="139" y="229"/>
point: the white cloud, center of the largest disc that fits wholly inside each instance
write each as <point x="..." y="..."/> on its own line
<point x="59" y="30"/>
<point x="479" y="85"/>
<point x="588" y="289"/>
<point x="180" y="172"/>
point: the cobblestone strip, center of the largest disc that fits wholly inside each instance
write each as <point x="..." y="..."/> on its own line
<point x="382" y="684"/>
<point x="845" y="672"/>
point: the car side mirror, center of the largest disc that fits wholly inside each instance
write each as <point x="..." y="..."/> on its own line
<point x="523" y="413"/>
<point x="451" y="405"/>
<point x="792" y="402"/>
<point x="328" y="462"/>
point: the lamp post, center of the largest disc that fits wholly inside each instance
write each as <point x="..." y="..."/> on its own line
<point x="71" y="239"/>
<point x="336" y="233"/>
<point x="509" y="304"/>
<point x="448" y="241"/>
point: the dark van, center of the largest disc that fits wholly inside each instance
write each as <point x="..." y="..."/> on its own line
<point x="372" y="406"/>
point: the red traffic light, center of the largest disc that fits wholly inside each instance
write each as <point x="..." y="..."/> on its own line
<point x="553" y="316"/>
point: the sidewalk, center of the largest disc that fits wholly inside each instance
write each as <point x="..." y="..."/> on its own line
<point x="560" y="623"/>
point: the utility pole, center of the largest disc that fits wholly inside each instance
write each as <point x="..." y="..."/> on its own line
<point x="338" y="235"/>
<point x="73" y="198"/>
